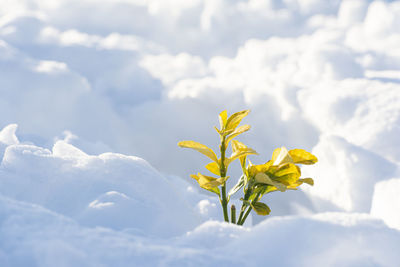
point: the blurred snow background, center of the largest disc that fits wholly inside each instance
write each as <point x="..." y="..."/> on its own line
<point x="86" y="84"/>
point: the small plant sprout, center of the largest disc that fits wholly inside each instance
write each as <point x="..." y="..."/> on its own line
<point x="280" y="173"/>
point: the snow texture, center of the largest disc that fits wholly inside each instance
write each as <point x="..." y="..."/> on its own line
<point x="84" y="85"/>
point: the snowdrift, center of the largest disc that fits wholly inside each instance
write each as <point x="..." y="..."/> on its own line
<point x="66" y="208"/>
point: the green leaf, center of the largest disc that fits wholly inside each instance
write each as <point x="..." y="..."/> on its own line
<point x="262" y="189"/>
<point x="236" y="188"/>
<point x="260" y="208"/>
<point x="263" y="178"/>
<point x="301" y="156"/>
<point x="213" y="167"/>
<point x="235" y="119"/>
<point x="237" y="131"/>
<point x="200" y="148"/>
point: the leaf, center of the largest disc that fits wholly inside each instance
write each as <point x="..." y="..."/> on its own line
<point x="287" y="174"/>
<point x="309" y="181"/>
<point x="260" y="208"/>
<point x="213" y="167"/>
<point x="214" y="190"/>
<point x="222" y="120"/>
<point x="199" y="147"/>
<point x="280" y="156"/>
<point x="301" y="156"/>
<point x="260" y="190"/>
<point x="240" y="154"/>
<point x="208" y="182"/>
<point x="263" y="178"/>
<point x="286" y="169"/>
<point x="243" y="165"/>
<point x="236" y="146"/>
<point x="239" y="150"/>
<point x="235" y="119"/>
<point x="236" y="188"/>
<point x="237" y="131"/>
<point x="254" y="169"/>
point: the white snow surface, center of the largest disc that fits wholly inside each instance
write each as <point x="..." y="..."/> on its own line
<point x="86" y="84"/>
<point x="63" y="207"/>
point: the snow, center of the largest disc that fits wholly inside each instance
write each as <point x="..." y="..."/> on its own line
<point x="94" y="96"/>
<point x="63" y="206"/>
<point x="95" y="190"/>
<point x="346" y="174"/>
<point x="34" y="236"/>
<point x="385" y="204"/>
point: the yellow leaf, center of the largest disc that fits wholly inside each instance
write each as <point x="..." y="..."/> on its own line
<point x="254" y="169"/>
<point x="309" y="181"/>
<point x="280" y="156"/>
<point x="199" y="147"/>
<point x="301" y="156"/>
<point x="239" y="150"/>
<point x="240" y="154"/>
<point x="237" y="131"/>
<point x="213" y="167"/>
<point x="194" y="176"/>
<point x="286" y="174"/>
<point x="208" y="182"/>
<point x="213" y="189"/>
<point x="287" y="168"/>
<point x="235" y="119"/>
<point x="237" y="146"/>
<point x="222" y="120"/>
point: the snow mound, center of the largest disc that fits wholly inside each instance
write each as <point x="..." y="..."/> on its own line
<point x="345" y="175"/>
<point x="386" y="202"/>
<point x="34" y="236"/>
<point x="109" y="190"/>
<point x="67" y="208"/>
<point x="7" y="137"/>
<point x="364" y="112"/>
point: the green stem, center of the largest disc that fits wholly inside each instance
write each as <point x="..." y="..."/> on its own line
<point x="245" y="216"/>
<point x="243" y="208"/>
<point x="248" y="210"/>
<point x="224" y="201"/>
<point x="233" y="214"/>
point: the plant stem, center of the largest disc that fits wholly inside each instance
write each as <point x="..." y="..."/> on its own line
<point x="224" y="201"/>
<point x="245" y="216"/>
<point x="248" y="211"/>
<point x="243" y="208"/>
<point x="233" y="214"/>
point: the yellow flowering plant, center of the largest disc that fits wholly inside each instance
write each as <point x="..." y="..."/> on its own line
<point x="281" y="173"/>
